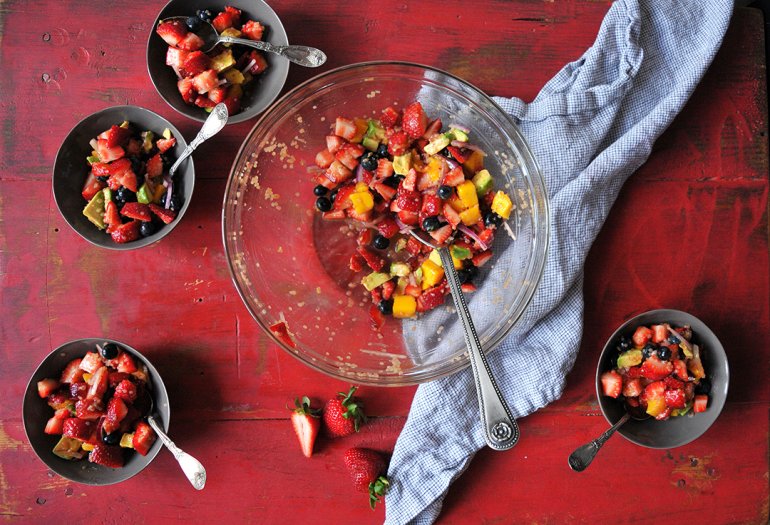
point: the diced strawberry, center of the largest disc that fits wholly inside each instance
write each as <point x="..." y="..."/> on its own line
<point x="122" y="172"/>
<point x="389" y="117"/>
<point x="486" y="235"/>
<point x="442" y="234"/>
<point x="480" y="259"/>
<point x="99" y="383"/>
<point x="128" y="422"/>
<point x="460" y="155"/>
<point x="413" y="246"/>
<point x="413" y="120"/>
<point x="136" y="210"/>
<point x="454" y="177"/>
<point x="46" y="387"/>
<point x="388" y="227"/>
<point x="431" y="298"/>
<point x="431" y="205"/>
<point x="79" y="390"/>
<point x="655" y="369"/>
<point x="409" y="201"/>
<point x="338" y="172"/>
<point x="384" y="190"/>
<point x="632" y="387"/>
<point x="260" y="62"/>
<point x="126" y="232"/>
<point x="92" y="186"/>
<point x="363" y="217"/>
<point x="78" y="428"/>
<point x="155" y="166"/>
<point x="413" y="290"/>
<point x="384" y="169"/>
<point x="334" y="143"/>
<point x="659" y="333"/>
<point x="224" y="20"/>
<point x="655" y="390"/>
<point x="345" y="128"/>
<point x="144" y="437"/>
<point x="641" y="336"/>
<point x="106" y="455"/>
<point x="89" y="409"/>
<point x="334" y="215"/>
<point x="107" y="153"/>
<point x="433" y="128"/>
<point x="324" y="181"/>
<point x="673" y="384"/>
<point x="187" y="90"/>
<point x="664" y="415"/>
<point x="374" y="261"/>
<point x="451" y="216"/>
<point x="233" y="103"/>
<point x="324" y="159"/>
<point x="398" y="143"/>
<point x="165" y="144"/>
<point x="388" y="287"/>
<point x="376" y="317"/>
<point x="91" y="362"/>
<point x="115" y="378"/>
<point x="190" y="42"/>
<point x="675" y="398"/>
<point x="125" y="390"/>
<point x="468" y="287"/>
<point x="111" y="216"/>
<point x="612" y="383"/>
<point x="54" y="426"/>
<point x="700" y="404"/>
<point x="680" y="369"/>
<point x="126" y="363"/>
<point x="356" y="262"/>
<point x="365" y="237"/>
<point x="281" y="331"/>
<point x="175" y="57"/>
<point x="203" y="101"/>
<point x="194" y="64"/>
<point x="342" y="200"/>
<point x="253" y="30"/>
<point x="205" y="81"/>
<point x="348" y="155"/>
<point x="164" y="214"/>
<point x="634" y="371"/>
<point x="172" y="31"/>
<point x="72" y="373"/>
<point x="410" y="218"/>
<point x="59" y="399"/>
<point x="117" y="136"/>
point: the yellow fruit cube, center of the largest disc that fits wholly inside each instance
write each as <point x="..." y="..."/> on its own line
<point x="362" y="201"/>
<point x="502" y="204"/>
<point x="475" y="162"/>
<point x="456" y="204"/>
<point x="434" y="168"/>
<point x="467" y="194"/>
<point x="432" y="273"/>
<point x="656" y="406"/>
<point x="88" y="447"/>
<point x="361" y="187"/>
<point x="404" y="306"/>
<point x="231" y="31"/>
<point x="402" y="163"/>
<point x="127" y="440"/>
<point x="436" y="259"/>
<point x="223" y="61"/>
<point x="471" y="216"/>
<point x="234" y="76"/>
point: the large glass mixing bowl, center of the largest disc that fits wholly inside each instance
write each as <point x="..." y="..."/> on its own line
<point x="290" y="266"/>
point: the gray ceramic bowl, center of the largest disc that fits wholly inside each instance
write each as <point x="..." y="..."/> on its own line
<point x="71" y="169"/>
<point x="36" y="412"/>
<point x="257" y="97"/>
<point x="675" y="431"/>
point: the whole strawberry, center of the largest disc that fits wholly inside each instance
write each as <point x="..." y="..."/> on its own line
<point x="306" y="423"/>
<point x="366" y="466"/>
<point x="343" y="415"/>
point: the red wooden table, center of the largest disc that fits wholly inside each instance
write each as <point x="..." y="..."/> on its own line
<point x="706" y="186"/>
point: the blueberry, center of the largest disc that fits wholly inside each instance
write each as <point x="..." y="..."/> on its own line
<point x="444" y="192"/>
<point x="124" y="195"/>
<point x="112" y="438"/>
<point x="386" y="306"/>
<point x="147" y="228"/>
<point x="109" y="351"/>
<point x="492" y="219"/>
<point x="445" y="153"/>
<point x="193" y="23"/>
<point x="102" y="178"/>
<point x="176" y="202"/>
<point x="382" y="151"/>
<point x="664" y="353"/>
<point x="137" y="166"/>
<point x="369" y="161"/>
<point x="204" y="14"/>
<point x="323" y="204"/>
<point x="320" y="191"/>
<point x="392" y="181"/>
<point x="625" y="343"/>
<point x="672" y="340"/>
<point x="380" y="242"/>
<point x="430" y="224"/>
<point x="648" y="349"/>
<point x="466" y="275"/>
<point x="333" y="194"/>
<point x="703" y="386"/>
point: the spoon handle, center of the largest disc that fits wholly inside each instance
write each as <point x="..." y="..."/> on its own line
<point x="500" y="429"/>
<point x="302" y="55"/>
<point x="584" y="455"/>
<point x="213" y="125"/>
<point x="192" y="468"/>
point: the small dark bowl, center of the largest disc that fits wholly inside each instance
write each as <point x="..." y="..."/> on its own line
<point x="675" y="431"/>
<point x="258" y="96"/>
<point x="71" y="170"/>
<point x="36" y="412"/>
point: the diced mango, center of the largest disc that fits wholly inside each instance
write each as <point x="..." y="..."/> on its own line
<point x="404" y="306"/>
<point x="235" y="91"/>
<point x="160" y="191"/>
<point x="434" y="168"/>
<point x="234" y="76"/>
<point x="475" y="162"/>
<point x="436" y="258"/>
<point x="362" y="201"/>
<point x="361" y="187"/>
<point x="127" y="440"/>
<point x="432" y="273"/>
<point x="471" y="216"/>
<point x="502" y="204"/>
<point x="232" y="32"/>
<point x="88" y="447"/>
<point x="223" y="61"/>
<point x="87" y="378"/>
<point x="656" y="406"/>
<point x="467" y="194"/>
<point x="456" y="204"/>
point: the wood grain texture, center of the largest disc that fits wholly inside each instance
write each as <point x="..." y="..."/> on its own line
<point x="689" y="231"/>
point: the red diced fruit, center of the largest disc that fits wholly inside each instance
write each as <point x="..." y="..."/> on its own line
<point x="165" y="144"/>
<point x="374" y="261"/>
<point x="218" y="94"/>
<point x="126" y="363"/>
<point x="175" y="57"/>
<point x="641" y="336"/>
<point x="612" y="383"/>
<point x="194" y="64"/>
<point x="117" y="136"/>
<point x="431" y="205"/>
<point x="413" y="120"/>
<point x="431" y="298"/>
<point x="376" y="317"/>
<point x="91" y="362"/>
<point x="253" y="30"/>
<point x="136" y="210"/>
<point x="260" y="64"/>
<point x="700" y="403"/>
<point x="143" y="439"/>
<point x="164" y="214"/>
<point x="79" y="390"/>
<point x="99" y="383"/>
<point x="388" y="228"/>
<point x="106" y="455"/>
<point x="46" y="387"/>
<point x="191" y="42"/>
<point x="389" y="117"/>
<point x="397" y="143"/>
<point x="126" y="232"/>
<point x="205" y="81"/>
<point x="675" y="398"/>
<point x="655" y="369"/>
<point x="345" y="128"/>
<point x="78" y="428"/>
<point x="659" y="333"/>
<point x="632" y="387"/>
<point x="72" y="373"/>
<point x="172" y="31"/>
<point x="89" y="409"/>
<point x="187" y="90"/>
<point x="458" y="154"/>
<point x="281" y="331"/>
<point x="111" y="216"/>
<point x="441" y="235"/>
<point x="54" y="426"/>
<point x="91" y="187"/>
<point x="224" y="20"/>
<point x="154" y="166"/>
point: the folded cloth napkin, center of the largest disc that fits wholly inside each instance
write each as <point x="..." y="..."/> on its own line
<point x="590" y="128"/>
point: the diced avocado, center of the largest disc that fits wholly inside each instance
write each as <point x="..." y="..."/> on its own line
<point x="400" y="244"/>
<point x="682" y="411"/>
<point x="399" y="269"/>
<point x="402" y="163"/>
<point x="460" y="252"/>
<point x="144" y="195"/>
<point x="401" y="284"/>
<point x="419" y="275"/>
<point x="107" y="196"/>
<point x="94" y="210"/>
<point x="437" y="144"/>
<point x="148" y="138"/>
<point x="92" y="159"/>
<point x="483" y="182"/>
<point x="370" y="143"/>
<point x="234" y="76"/>
<point x="68" y="448"/>
<point x="222" y="61"/>
<point x="374" y="130"/>
<point x="630" y="358"/>
<point x="457" y="134"/>
<point x="166" y="133"/>
<point x="374" y="279"/>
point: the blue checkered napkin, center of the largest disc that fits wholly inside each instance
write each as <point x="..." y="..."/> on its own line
<point x="590" y="128"/>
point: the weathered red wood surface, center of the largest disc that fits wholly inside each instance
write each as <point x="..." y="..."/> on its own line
<point x="689" y="231"/>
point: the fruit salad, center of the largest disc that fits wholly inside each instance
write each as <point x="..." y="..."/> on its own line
<point x="659" y="369"/>
<point x="99" y="402"/>
<point x="128" y="191"/>
<point x="404" y="171"/>
<point x="219" y="75"/>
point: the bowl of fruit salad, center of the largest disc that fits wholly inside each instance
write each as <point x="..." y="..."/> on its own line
<point x="670" y="371"/>
<point x="111" y="178"/>
<point x="84" y="410"/>
<point x="322" y="202"/>
<point x="193" y="79"/>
